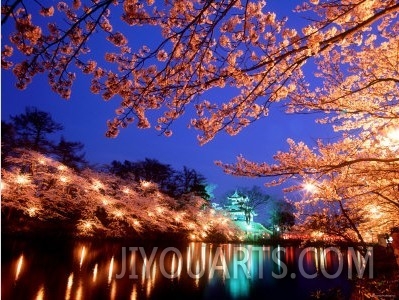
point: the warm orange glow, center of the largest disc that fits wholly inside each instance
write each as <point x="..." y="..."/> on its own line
<point x="113" y="290"/>
<point x="32" y="211"/>
<point x="61" y="168"/>
<point x="82" y="256"/>
<point x="19" y="267"/>
<point x="63" y="179"/>
<point x="97" y="185"/>
<point x="393" y="135"/>
<point x="95" y="271"/>
<point x="79" y="291"/>
<point x="110" y="270"/>
<point x="22" y="179"/>
<point x="309" y="187"/>
<point x="160" y="210"/>
<point x="69" y="287"/>
<point x="118" y="214"/>
<point x="133" y="295"/>
<point x="40" y="293"/>
<point x="145" y="184"/>
<point x="126" y="190"/>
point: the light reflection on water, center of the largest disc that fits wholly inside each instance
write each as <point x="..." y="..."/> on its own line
<point x="197" y="271"/>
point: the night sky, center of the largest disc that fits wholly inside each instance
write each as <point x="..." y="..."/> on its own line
<point x="84" y="119"/>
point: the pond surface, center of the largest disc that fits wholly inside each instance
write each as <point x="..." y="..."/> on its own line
<point x="86" y="270"/>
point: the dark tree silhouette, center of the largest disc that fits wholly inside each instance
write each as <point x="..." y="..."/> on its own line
<point x="283" y="215"/>
<point x="70" y="154"/>
<point x="170" y="181"/>
<point x="8" y="142"/>
<point x="32" y="129"/>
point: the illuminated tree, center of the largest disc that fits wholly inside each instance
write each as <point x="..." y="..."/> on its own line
<point x="200" y="46"/>
<point x="205" y="46"/>
<point x="41" y="195"/>
<point x="354" y="179"/>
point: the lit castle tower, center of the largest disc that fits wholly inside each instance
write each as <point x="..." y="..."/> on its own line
<point x="239" y="208"/>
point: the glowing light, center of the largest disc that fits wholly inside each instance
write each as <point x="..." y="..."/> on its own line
<point x="19" y="266"/>
<point x="79" y="292"/>
<point x="309" y="187"/>
<point x="61" y="168"/>
<point x="3" y="186"/>
<point x="22" y="179"/>
<point x="40" y="293"/>
<point x="105" y="202"/>
<point x="394" y="135"/>
<point x="133" y="295"/>
<point x="144" y="271"/>
<point x="69" y="287"/>
<point x="148" y="288"/>
<point x="63" y="179"/>
<point x="154" y="271"/>
<point x="197" y="272"/>
<point x="110" y="270"/>
<point x="374" y="210"/>
<point x="32" y="211"/>
<point x="160" y="210"/>
<point x="95" y="271"/>
<point x="97" y="185"/>
<point x="136" y="223"/>
<point x="391" y="139"/>
<point x="145" y="184"/>
<point x="126" y="190"/>
<point x="317" y="234"/>
<point x="113" y="290"/>
<point x="118" y="214"/>
<point x="42" y="161"/>
<point x="86" y="226"/>
<point x="82" y="256"/>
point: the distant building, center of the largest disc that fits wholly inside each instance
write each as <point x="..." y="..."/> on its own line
<point x="239" y="209"/>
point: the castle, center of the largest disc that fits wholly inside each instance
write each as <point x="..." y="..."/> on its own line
<point x="239" y="209"/>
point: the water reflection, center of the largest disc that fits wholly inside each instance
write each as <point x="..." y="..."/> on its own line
<point x="197" y="270"/>
<point x="19" y="267"/>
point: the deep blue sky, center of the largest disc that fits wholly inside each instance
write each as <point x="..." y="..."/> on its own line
<point x="85" y="114"/>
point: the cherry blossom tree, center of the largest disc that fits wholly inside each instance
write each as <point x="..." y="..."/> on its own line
<point x="43" y="196"/>
<point x="205" y="46"/>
